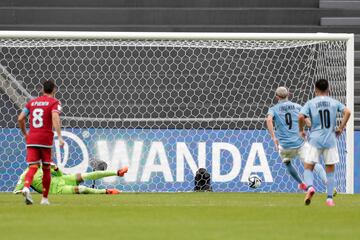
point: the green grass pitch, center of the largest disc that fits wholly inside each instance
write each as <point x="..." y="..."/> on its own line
<point x="182" y="216"/>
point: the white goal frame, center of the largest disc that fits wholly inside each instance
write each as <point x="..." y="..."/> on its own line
<point x="349" y="38"/>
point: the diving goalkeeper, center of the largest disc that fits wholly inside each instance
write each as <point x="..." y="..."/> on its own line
<point x="70" y="184"/>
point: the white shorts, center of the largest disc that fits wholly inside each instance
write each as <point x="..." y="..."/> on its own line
<point x="287" y="155"/>
<point x="331" y="155"/>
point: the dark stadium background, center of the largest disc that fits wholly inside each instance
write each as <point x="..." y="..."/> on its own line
<point x="189" y="16"/>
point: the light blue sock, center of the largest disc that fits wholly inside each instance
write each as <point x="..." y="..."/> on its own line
<point x="291" y="170"/>
<point x="330" y="184"/>
<point x="319" y="170"/>
<point x="309" y="177"/>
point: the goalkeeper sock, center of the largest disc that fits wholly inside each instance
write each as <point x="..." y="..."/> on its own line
<point x="330" y="184"/>
<point x="97" y="175"/>
<point x="309" y="177"/>
<point x="86" y="190"/>
<point x="30" y="175"/>
<point x="291" y="170"/>
<point x="46" y="180"/>
<point x="319" y="169"/>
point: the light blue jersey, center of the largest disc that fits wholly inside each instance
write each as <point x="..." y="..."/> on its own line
<point x="322" y="112"/>
<point x="285" y="115"/>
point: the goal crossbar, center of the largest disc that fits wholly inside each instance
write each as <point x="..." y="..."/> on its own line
<point x="174" y="36"/>
<point x="349" y="38"/>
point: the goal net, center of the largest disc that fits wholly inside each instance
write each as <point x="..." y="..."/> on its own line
<point x="167" y="104"/>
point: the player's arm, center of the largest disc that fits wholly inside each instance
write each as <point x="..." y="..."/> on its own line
<point x="307" y="119"/>
<point x="308" y="122"/>
<point x="344" y="120"/>
<point x="55" y="115"/>
<point x="55" y="171"/>
<point x="302" y="123"/>
<point x="303" y="115"/>
<point x="270" y="127"/>
<point x="22" y="122"/>
<point x="19" y="186"/>
<point x="57" y="126"/>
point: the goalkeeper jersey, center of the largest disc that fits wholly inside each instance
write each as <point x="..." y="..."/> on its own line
<point x="56" y="181"/>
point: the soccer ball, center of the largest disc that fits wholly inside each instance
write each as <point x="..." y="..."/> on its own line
<point x="254" y="181"/>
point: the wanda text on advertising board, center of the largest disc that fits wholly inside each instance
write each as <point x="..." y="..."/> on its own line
<point x="161" y="160"/>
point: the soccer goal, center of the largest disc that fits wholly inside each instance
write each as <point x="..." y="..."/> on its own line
<point x="167" y="104"/>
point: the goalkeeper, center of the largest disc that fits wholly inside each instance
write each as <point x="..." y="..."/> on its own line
<point x="69" y="184"/>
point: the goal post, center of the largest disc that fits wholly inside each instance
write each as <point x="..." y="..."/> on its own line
<point x="350" y="157"/>
<point x="169" y="103"/>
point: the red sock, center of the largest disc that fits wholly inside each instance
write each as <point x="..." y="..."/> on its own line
<point x="46" y="180"/>
<point x="30" y="175"/>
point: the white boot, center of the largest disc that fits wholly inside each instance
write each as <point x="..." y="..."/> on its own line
<point x="26" y="193"/>
<point x="45" y="201"/>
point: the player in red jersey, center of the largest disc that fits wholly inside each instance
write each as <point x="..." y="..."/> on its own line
<point x="44" y="113"/>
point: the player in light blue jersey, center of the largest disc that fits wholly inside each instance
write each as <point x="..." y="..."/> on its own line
<point x="322" y="140"/>
<point x="284" y="115"/>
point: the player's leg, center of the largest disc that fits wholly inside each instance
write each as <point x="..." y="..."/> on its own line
<point x="330" y="173"/>
<point x="286" y="157"/>
<point x="101" y="174"/>
<point x="76" y="179"/>
<point x="46" y="179"/>
<point x="33" y="159"/>
<point x="28" y="180"/>
<point x="67" y="189"/>
<point x="320" y="171"/>
<point x="72" y="179"/>
<point x="309" y="181"/>
<point x="86" y="190"/>
<point x="292" y="171"/>
<point x="331" y="157"/>
<point x="310" y="160"/>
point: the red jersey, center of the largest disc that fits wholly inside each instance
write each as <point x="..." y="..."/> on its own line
<point x="41" y="129"/>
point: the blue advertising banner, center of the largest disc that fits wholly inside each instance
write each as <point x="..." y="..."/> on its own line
<point x="164" y="160"/>
<point x="357" y="162"/>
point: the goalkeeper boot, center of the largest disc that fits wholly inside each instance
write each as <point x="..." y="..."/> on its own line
<point x="45" y="201"/>
<point x="122" y="171"/>
<point x="112" y="191"/>
<point x="26" y="193"/>
<point x="309" y="194"/>
<point x="330" y="202"/>
<point x="302" y="186"/>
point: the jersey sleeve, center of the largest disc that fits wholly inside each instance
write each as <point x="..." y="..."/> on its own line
<point x="26" y="109"/>
<point x="270" y="112"/>
<point x="305" y="110"/>
<point x="340" y="107"/>
<point x="56" y="107"/>
<point x="55" y="171"/>
<point x="20" y="184"/>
